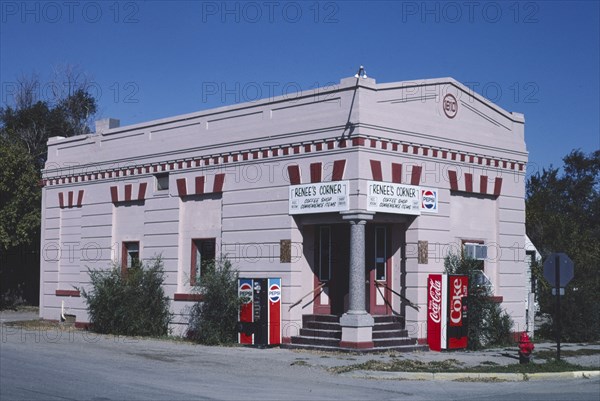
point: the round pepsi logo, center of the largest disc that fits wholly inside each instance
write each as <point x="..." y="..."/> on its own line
<point x="428" y="199"/>
<point x="246" y="292"/>
<point x="274" y="293"/>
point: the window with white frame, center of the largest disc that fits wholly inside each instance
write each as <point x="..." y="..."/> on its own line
<point x="475" y="250"/>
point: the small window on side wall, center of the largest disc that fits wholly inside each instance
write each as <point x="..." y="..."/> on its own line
<point x="162" y="181"/>
<point x="130" y="255"/>
<point x="476" y="251"/>
<point x="203" y="255"/>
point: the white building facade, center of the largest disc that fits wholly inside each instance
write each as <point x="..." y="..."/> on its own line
<point x="352" y="194"/>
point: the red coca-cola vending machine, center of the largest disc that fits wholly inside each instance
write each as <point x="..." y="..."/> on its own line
<point x="447" y="311"/>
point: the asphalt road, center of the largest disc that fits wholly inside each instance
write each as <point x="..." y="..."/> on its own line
<point x="75" y="365"/>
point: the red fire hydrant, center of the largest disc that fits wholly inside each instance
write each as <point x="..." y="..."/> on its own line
<point x="525" y="348"/>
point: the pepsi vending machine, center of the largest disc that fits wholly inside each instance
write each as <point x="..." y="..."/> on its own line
<point x="447" y="322"/>
<point x="260" y="314"/>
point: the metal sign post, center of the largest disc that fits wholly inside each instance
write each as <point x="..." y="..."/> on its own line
<point x="558" y="270"/>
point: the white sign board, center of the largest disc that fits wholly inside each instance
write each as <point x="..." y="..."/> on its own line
<point x="319" y="197"/>
<point x="393" y="198"/>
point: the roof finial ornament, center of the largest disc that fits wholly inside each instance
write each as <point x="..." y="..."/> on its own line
<point x="361" y="73"/>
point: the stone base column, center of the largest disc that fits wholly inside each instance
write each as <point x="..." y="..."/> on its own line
<point x="357" y="323"/>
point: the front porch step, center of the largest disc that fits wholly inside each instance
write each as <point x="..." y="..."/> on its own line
<point x="377" y="334"/>
<point x="324" y="332"/>
<point x="321" y="333"/>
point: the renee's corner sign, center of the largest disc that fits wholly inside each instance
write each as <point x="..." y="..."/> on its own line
<point x="429" y="200"/>
<point x="393" y="198"/>
<point x="319" y="197"/>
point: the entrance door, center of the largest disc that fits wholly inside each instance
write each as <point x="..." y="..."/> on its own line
<point x="331" y="260"/>
<point x="378" y="269"/>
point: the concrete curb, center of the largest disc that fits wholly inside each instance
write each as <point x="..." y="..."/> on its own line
<point x="470" y="376"/>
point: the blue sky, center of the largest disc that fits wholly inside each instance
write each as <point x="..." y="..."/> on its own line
<point x="148" y="60"/>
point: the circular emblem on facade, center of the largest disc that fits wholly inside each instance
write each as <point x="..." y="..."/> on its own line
<point x="428" y="199"/>
<point x="274" y="293"/>
<point x="246" y="293"/>
<point x="450" y="106"/>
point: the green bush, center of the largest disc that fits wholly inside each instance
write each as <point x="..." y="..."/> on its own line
<point x="133" y="304"/>
<point x="488" y="324"/>
<point x="213" y="320"/>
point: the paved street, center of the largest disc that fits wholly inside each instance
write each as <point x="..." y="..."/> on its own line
<point x="75" y="365"/>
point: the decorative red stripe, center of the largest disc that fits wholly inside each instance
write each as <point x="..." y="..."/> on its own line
<point x="338" y="170"/>
<point x="61" y="200"/>
<point x="358" y="141"/>
<point x="405" y="148"/>
<point x="415" y="178"/>
<point x="265" y="153"/>
<point x="294" y="173"/>
<point x="70" y="199"/>
<point x="497" y="186"/>
<point x="128" y="189"/>
<point x="444" y="154"/>
<point x="181" y="187"/>
<point x="199" y="185"/>
<point x="67" y="293"/>
<point x="218" y="184"/>
<point x="425" y="152"/>
<point x="483" y="184"/>
<point x="330" y="145"/>
<point x="319" y="146"/>
<point x="468" y="182"/>
<point x="453" y="180"/>
<point x="397" y="173"/>
<point x="276" y="152"/>
<point x="142" y="191"/>
<point x="296" y="149"/>
<point x="188" y="297"/>
<point x="373" y="143"/>
<point x="80" y="198"/>
<point x="415" y="150"/>
<point x="376" y="170"/>
<point x="114" y="194"/>
<point x="307" y="148"/>
<point x="315" y="172"/>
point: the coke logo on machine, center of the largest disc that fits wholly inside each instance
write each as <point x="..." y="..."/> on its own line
<point x="458" y="292"/>
<point x="435" y="303"/>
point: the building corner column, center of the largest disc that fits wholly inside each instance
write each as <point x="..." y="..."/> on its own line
<point x="357" y="323"/>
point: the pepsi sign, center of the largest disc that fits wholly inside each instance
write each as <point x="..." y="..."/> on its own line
<point x="274" y="293"/>
<point x="429" y="200"/>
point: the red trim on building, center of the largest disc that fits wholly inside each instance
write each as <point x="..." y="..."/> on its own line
<point x="315" y="172"/>
<point x="497" y="186"/>
<point x="142" y="191"/>
<point x="296" y="149"/>
<point x="265" y="153"/>
<point x="330" y="145"/>
<point x="181" y="187"/>
<point x="397" y="173"/>
<point x="114" y="194"/>
<point x="358" y="345"/>
<point x="435" y="153"/>
<point x="70" y="195"/>
<point x="425" y="151"/>
<point x="415" y="150"/>
<point x="61" y="200"/>
<point x="338" y="170"/>
<point x="358" y="141"/>
<point x="415" y="176"/>
<point x="199" y="190"/>
<point x="483" y="184"/>
<point x="188" y="297"/>
<point x="128" y="189"/>
<point x="384" y="145"/>
<point x="218" y="184"/>
<point x="404" y="148"/>
<point x="307" y="148"/>
<point x="67" y="293"/>
<point x="462" y="157"/>
<point x="275" y="152"/>
<point x="394" y="147"/>
<point x="453" y="180"/>
<point x="373" y="143"/>
<point x="294" y="174"/>
<point x="468" y="182"/>
<point x="376" y="170"/>
<point x="79" y="198"/>
<point x="497" y="299"/>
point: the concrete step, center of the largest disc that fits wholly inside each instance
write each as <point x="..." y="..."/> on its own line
<point x="394" y="342"/>
<point x="320" y="318"/>
<point x="390" y="333"/>
<point x="387" y="326"/>
<point x="321" y="333"/>
<point x="315" y="341"/>
<point x="322" y="326"/>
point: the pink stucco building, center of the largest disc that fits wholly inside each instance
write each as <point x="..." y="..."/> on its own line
<point x="352" y="194"/>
